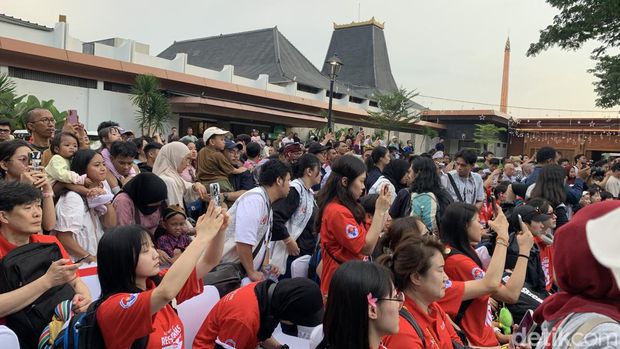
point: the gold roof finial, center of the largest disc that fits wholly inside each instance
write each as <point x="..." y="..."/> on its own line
<point x="353" y="24"/>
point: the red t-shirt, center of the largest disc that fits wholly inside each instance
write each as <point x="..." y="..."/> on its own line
<point x="234" y="321"/>
<point x="546" y="260"/>
<point x="6" y="247"/>
<point x="125" y="317"/>
<point x="477" y="321"/>
<point x="343" y="237"/>
<point x="451" y="301"/>
<point x="435" y="325"/>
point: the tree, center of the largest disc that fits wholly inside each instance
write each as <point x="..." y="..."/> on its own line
<point x="395" y="111"/>
<point x="487" y="134"/>
<point x="578" y="22"/>
<point x="154" y="110"/>
<point x="8" y="98"/>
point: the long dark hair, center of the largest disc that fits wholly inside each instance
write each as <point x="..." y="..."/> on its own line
<point x="306" y="161"/>
<point x="412" y="255"/>
<point x="425" y="177"/>
<point x="453" y="231"/>
<point x="375" y="156"/>
<point x="117" y="258"/>
<point x="395" y="171"/>
<point x="345" y="325"/>
<point x="80" y="161"/>
<point x="350" y="167"/>
<point x="550" y="185"/>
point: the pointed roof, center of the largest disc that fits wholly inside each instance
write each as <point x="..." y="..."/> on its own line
<point x="264" y="51"/>
<point x="362" y="48"/>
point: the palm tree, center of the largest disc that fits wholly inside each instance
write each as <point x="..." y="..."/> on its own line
<point x="8" y="98"/>
<point x="153" y="107"/>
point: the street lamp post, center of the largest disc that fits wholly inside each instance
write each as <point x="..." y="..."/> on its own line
<point x="334" y="68"/>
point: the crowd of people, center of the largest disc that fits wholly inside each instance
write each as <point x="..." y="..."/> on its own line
<point x="404" y="249"/>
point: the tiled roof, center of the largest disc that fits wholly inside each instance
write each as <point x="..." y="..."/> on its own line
<point x="23" y="23"/>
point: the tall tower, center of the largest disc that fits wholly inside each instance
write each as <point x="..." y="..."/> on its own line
<point x="503" y="104"/>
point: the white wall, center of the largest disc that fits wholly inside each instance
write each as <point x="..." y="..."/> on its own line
<point x="93" y="105"/>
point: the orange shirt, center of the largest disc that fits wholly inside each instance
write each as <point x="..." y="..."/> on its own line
<point x="477" y="320"/>
<point x="435" y="325"/>
<point x="125" y="317"/>
<point x="234" y="321"/>
<point x="6" y="247"/>
<point x="343" y="237"/>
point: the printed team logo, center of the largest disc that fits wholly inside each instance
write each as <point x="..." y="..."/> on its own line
<point x="352" y="231"/>
<point x="227" y="344"/>
<point x="448" y="284"/>
<point x="477" y="273"/>
<point x="128" y="301"/>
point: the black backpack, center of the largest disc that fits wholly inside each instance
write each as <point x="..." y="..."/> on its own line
<point x="20" y="267"/>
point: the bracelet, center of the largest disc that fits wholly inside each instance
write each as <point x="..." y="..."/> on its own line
<point x="48" y="195"/>
<point x="524" y="256"/>
<point x="501" y="243"/>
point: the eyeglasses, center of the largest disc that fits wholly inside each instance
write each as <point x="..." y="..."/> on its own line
<point x="46" y="120"/>
<point x="3" y="130"/>
<point x="400" y="298"/>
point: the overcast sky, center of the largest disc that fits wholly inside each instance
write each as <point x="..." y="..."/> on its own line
<point x="448" y="49"/>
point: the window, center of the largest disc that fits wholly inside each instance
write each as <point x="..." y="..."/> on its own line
<point x="112" y="86"/>
<point x="53" y="78"/>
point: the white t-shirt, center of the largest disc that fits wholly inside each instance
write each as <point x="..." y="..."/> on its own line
<point x="613" y="186"/>
<point x="74" y="215"/>
<point x="251" y="220"/>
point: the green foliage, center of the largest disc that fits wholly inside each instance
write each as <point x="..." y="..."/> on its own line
<point x="578" y="22"/>
<point x="394" y="111"/>
<point x="8" y="98"/>
<point x="154" y="110"/>
<point x="486" y="134"/>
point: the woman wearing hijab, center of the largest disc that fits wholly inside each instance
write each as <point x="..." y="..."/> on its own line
<point x="140" y="201"/>
<point x="397" y="175"/>
<point x="248" y="316"/>
<point x="171" y="161"/>
<point x="585" y="314"/>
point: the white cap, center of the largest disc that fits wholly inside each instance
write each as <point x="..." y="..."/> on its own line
<point x="438" y="155"/>
<point x="604" y="241"/>
<point x="212" y="131"/>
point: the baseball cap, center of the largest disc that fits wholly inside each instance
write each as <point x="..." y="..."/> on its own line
<point x="213" y="131"/>
<point x="316" y="147"/>
<point x="438" y="155"/>
<point x="228" y="144"/>
<point x="127" y="131"/>
<point x="529" y="214"/>
<point x="604" y="241"/>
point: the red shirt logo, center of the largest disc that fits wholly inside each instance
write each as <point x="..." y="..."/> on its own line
<point x="352" y="231"/>
<point x="128" y="301"/>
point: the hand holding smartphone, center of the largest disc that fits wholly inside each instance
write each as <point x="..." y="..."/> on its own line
<point x="525" y="328"/>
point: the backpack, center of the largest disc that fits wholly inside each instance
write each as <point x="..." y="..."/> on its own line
<point x="425" y="206"/>
<point x="411" y="320"/>
<point x="83" y="332"/>
<point x="20" y="267"/>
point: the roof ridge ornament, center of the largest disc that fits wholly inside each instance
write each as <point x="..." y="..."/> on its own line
<point x="353" y="24"/>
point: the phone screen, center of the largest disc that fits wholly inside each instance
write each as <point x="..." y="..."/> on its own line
<point x="526" y="326"/>
<point x="214" y="189"/>
<point x="35" y="160"/>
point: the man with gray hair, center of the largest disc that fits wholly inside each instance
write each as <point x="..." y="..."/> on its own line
<point x="41" y="125"/>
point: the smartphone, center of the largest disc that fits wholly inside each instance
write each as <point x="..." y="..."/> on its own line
<point x="520" y="221"/>
<point x="73" y="116"/>
<point x="214" y="189"/>
<point x="80" y="259"/>
<point x="494" y="205"/>
<point x="35" y="160"/>
<point x="525" y="328"/>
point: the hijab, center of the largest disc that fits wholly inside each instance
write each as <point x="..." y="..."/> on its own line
<point x="144" y="189"/>
<point x="297" y="300"/>
<point x="395" y="171"/>
<point x="587" y="286"/>
<point x="166" y="165"/>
